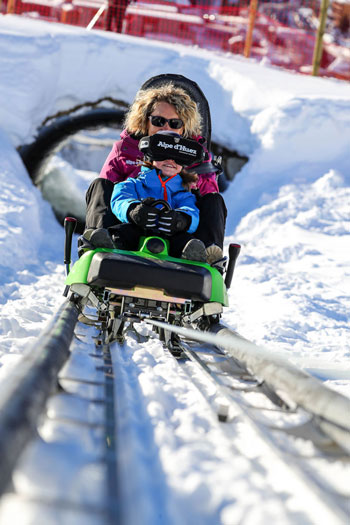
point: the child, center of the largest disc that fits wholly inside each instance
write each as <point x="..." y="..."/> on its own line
<point x="132" y="205"/>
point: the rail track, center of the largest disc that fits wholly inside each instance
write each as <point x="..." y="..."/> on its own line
<point x="80" y="408"/>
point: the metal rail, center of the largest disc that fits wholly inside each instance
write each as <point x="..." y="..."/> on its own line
<point x="26" y="389"/>
<point x="41" y="374"/>
<point x="232" y="383"/>
<point x="306" y="391"/>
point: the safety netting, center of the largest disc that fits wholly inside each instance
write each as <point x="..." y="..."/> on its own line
<point x="278" y="33"/>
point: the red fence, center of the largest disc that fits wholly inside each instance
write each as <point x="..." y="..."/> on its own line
<point x="284" y="33"/>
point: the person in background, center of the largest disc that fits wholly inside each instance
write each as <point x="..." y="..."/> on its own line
<point x="168" y="108"/>
<point x="115" y="15"/>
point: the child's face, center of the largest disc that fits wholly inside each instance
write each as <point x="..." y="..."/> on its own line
<point x="167" y="167"/>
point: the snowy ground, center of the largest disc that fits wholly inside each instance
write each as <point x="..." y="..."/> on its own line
<point x="288" y="207"/>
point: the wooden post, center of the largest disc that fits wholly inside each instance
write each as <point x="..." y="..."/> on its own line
<point x="10" y="7"/>
<point x="319" y="38"/>
<point x="251" y="22"/>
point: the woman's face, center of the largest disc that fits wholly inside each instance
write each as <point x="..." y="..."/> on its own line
<point x="163" y="109"/>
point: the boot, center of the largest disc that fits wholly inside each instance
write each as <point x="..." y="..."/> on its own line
<point x="194" y="251"/>
<point x="214" y="253"/>
<point x="98" y="238"/>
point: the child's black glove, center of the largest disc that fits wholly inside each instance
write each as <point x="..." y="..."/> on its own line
<point x="172" y="221"/>
<point x="142" y="214"/>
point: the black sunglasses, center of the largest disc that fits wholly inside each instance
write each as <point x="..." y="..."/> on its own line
<point x="159" y="122"/>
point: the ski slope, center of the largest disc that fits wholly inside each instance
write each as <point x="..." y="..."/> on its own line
<point x="288" y="207"/>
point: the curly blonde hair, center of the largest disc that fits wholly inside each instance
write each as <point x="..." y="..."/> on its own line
<point x="136" y="120"/>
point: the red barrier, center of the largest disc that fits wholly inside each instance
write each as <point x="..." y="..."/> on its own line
<point x="283" y="33"/>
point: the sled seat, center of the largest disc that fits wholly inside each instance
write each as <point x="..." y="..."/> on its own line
<point x="126" y="271"/>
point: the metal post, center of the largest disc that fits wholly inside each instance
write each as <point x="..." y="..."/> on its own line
<point x="319" y="38"/>
<point x="251" y="22"/>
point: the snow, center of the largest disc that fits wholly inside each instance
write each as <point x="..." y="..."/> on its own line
<point x="288" y="208"/>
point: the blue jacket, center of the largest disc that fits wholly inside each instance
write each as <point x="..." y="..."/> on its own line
<point x="148" y="184"/>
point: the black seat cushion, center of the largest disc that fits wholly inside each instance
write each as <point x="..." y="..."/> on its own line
<point x="127" y="271"/>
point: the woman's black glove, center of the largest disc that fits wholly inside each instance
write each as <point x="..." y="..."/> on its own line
<point x="172" y="221"/>
<point x="142" y="214"/>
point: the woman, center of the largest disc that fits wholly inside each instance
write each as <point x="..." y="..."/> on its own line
<point x="164" y="108"/>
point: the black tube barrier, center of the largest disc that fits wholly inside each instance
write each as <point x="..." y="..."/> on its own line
<point x="25" y="391"/>
<point x="51" y="137"/>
